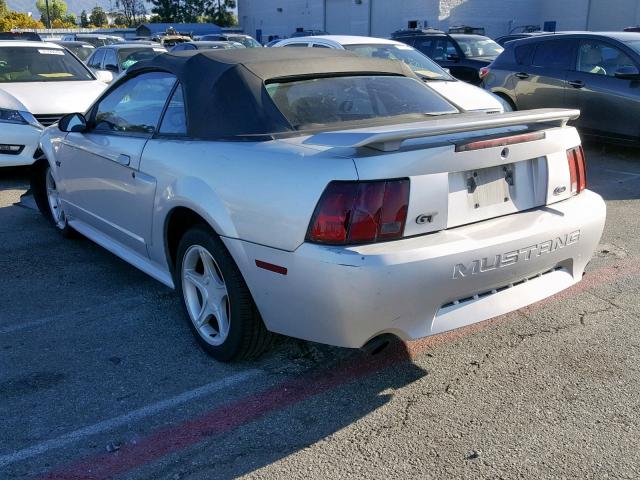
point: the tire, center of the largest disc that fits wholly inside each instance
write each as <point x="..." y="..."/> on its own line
<point x="217" y="302"/>
<point x="45" y="193"/>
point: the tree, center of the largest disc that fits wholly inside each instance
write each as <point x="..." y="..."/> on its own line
<point x="67" y="22"/>
<point x="220" y="13"/>
<point x="119" y="20"/>
<point x="193" y="11"/>
<point x="165" y="10"/>
<point x="132" y="10"/>
<point x="84" y="19"/>
<point x="18" y="20"/>
<point x="57" y="10"/>
<point x="4" y="9"/>
<point x="98" y="17"/>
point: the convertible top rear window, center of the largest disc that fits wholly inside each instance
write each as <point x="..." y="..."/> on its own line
<point x="330" y="100"/>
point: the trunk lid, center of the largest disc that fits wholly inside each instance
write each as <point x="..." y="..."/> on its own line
<point x="466" y="168"/>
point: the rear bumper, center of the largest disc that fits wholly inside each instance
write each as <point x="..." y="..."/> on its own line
<point x="25" y="135"/>
<point x="424" y="285"/>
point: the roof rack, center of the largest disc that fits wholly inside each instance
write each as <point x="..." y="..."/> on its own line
<point x="466" y="29"/>
<point x="412" y="31"/>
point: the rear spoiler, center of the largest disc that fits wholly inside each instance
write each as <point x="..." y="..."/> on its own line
<point x="388" y="140"/>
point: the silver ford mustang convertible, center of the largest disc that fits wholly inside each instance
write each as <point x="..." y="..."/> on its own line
<point x="320" y="195"/>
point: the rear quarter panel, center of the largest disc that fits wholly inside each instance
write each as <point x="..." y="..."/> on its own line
<point x="260" y="192"/>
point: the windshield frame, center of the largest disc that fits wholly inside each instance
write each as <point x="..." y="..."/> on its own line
<point x="444" y="75"/>
<point x="66" y="53"/>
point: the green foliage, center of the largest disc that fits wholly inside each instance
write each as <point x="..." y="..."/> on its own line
<point x="4" y="9"/>
<point x="165" y="10"/>
<point x="193" y="11"/>
<point x="84" y="19"/>
<point x="18" y="20"/>
<point x="57" y="11"/>
<point x="133" y="11"/>
<point x="98" y="17"/>
<point x="220" y="13"/>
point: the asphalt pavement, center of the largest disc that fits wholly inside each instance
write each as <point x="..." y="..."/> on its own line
<point x="101" y="378"/>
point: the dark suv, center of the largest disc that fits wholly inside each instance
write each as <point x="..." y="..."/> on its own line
<point x="464" y="55"/>
<point x="597" y="73"/>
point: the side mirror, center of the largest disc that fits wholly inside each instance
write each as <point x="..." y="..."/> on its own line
<point x="628" y="72"/>
<point x="73" y="122"/>
<point x="104" y="76"/>
<point x="454" y="57"/>
<point x="111" y="68"/>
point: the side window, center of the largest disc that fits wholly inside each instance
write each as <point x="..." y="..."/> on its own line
<point x="96" y="59"/>
<point x="553" y="54"/>
<point x="110" y="60"/>
<point x="424" y="45"/>
<point x="296" y="45"/>
<point x="524" y="54"/>
<point x="174" y="121"/>
<point x="451" y="48"/>
<point x="441" y="48"/>
<point x="134" y="106"/>
<point x="602" y="59"/>
<point x="319" y="45"/>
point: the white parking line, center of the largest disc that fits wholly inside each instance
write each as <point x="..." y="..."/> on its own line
<point x="135" y="415"/>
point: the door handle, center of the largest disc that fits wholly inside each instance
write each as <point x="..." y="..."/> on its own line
<point x="576" y="83"/>
<point x="58" y="163"/>
<point x="522" y="75"/>
<point x="124" y="159"/>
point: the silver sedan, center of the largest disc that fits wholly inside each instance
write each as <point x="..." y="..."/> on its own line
<point x="320" y="195"/>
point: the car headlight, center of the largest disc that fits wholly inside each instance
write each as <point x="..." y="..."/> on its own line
<point x="19" y="117"/>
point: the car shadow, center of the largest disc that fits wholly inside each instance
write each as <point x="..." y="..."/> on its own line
<point x="346" y="387"/>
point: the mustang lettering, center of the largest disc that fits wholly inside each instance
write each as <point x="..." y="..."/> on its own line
<point x="487" y="264"/>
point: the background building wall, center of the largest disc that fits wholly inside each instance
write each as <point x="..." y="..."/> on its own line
<point x="381" y="17"/>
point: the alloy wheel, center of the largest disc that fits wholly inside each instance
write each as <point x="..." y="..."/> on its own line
<point x="205" y="295"/>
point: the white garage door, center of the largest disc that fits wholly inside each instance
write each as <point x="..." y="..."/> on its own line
<point x="347" y="17"/>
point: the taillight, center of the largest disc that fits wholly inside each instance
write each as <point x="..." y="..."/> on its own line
<point x="577" y="169"/>
<point x="484" y="71"/>
<point x="360" y="212"/>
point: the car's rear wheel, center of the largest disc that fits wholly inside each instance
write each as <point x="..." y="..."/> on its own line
<point x="216" y="299"/>
<point x="47" y="197"/>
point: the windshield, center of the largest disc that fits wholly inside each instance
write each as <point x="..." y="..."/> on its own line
<point x="82" y="52"/>
<point x="482" y="47"/>
<point x="99" y="41"/>
<point x="248" y="42"/>
<point x="419" y="63"/>
<point x="130" y="56"/>
<point x="40" y="64"/>
<point x="330" y="100"/>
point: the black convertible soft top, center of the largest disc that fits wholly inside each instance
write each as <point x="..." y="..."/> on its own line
<point x="225" y="91"/>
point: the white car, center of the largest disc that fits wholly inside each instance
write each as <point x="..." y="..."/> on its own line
<point x="39" y="83"/>
<point x="321" y="195"/>
<point x="463" y="95"/>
